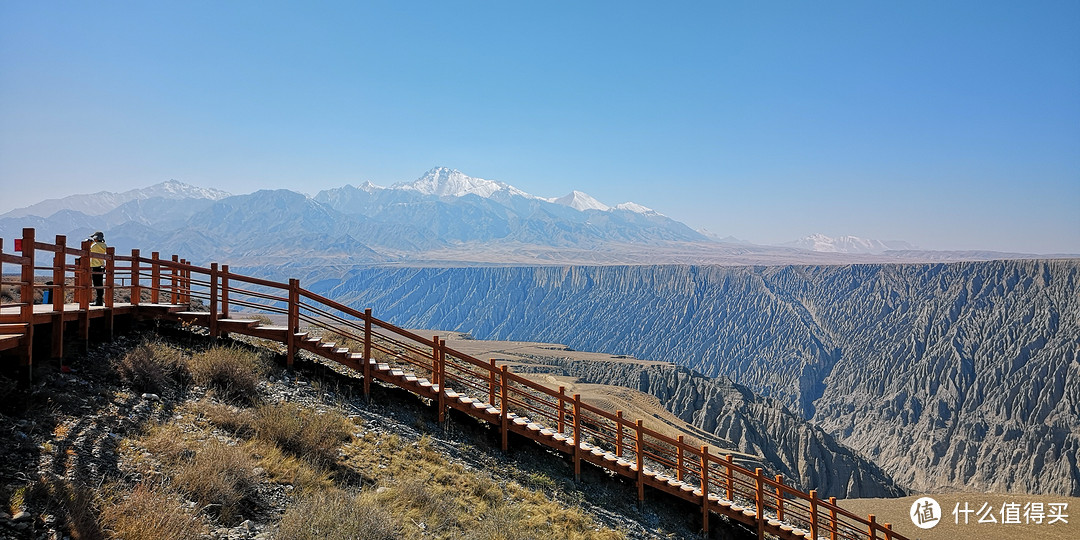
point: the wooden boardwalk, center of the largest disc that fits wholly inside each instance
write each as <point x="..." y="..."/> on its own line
<point x="210" y="297"/>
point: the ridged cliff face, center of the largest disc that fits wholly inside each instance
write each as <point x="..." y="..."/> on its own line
<point x="949" y="376"/>
<point x="808" y="457"/>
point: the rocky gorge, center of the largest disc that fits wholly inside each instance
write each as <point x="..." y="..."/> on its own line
<point x="959" y="376"/>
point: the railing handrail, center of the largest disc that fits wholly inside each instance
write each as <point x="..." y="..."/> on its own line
<point x="183" y="281"/>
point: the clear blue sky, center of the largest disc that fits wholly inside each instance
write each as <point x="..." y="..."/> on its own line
<point x="946" y="124"/>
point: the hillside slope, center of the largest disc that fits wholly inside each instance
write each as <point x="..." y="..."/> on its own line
<point x="949" y="376"/>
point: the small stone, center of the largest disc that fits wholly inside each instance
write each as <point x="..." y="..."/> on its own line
<point x="247" y="525"/>
<point x="22" y="516"/>
<point x="258" y="471"/>
<point x="5" y="516"/>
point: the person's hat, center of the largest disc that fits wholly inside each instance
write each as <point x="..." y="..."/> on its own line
<point x="99" y="236"/>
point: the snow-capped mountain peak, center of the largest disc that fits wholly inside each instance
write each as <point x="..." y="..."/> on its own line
<point x="635" y="207"/>
<point x="846" y="244"/>
<point x="444" y="182"/>
<point x="175" y="189"/>
<point x="96" y="204"/>
<point x="369" y="187"/>
<point x="581" y="201"/>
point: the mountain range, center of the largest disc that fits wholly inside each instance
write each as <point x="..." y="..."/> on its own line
<point x="444" y="217"/>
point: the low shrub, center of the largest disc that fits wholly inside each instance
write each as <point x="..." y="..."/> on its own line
<point x="152" y="367"/>
<point x="302" y="431"/>
<point x="231" y="371"/>
<point x="218" y="477"/>
<point x="150" y="513"/>
<point x="228" y="417"/>
<point x="338" y="515"/>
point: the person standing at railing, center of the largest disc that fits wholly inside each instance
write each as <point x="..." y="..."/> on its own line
<point x="97" y="266"/>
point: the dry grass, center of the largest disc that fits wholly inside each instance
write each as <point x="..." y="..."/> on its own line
<point x="152" y="367"/>
<point x="232" y="372"/>
<point x="425" y="492"/>
<point x="210" y="450"/>
<point x="234" y="419"/>
<point x="338" y="515"/>
<point x="74" y="505"/>
<point x="218" y="477"/>
<point x="128" y="515"/>
<point x="303" y="432"/>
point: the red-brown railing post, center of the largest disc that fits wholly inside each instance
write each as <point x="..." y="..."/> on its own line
<point x="110" y="283"/>
<point x="779" y="498"/>
<point x="185" y="283"/>
<point x="705" y="487"/>
<point x="213" y="300"/>
<point x="618" y="434"/>
<point x="294" y="320"/>
<point x="26" y="297"/>
<point x="59" y="276"/>
<point x="679" y="459"/>
<point x="759" y="498"/>
<point x="155" y="278"/>
<point x="58" y="297"/>
<point x="888" y="531"/>
<point x="492" y="370"/>
<point x="87" y="289"/>
<point x="136" y="275"/>
<point x="577" y="437"/>
<point x="504" y="409"/>
<point x="813" y="514"/>
<point x="224" y="297"/>
<point x="639" y="449"/>
<point x="730" y="465"/>
<point x="872" y="528"/>
<point x="367" y="353"/>
<point x="174" y="282"/>
<point x="562" y="409"/>
<point x="832" y="518"/>
<point x="440" y="367"/>
<point x="110" y="279"/>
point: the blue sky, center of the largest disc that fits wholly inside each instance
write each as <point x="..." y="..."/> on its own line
<point x="951" y="125"/>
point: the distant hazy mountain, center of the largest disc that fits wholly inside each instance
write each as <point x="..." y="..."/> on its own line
<point x="581" y="201"/>
<point x="444" y="216"/>
<point x="459" y="209"/>
<point x="847" y="244"/>
<point x="96" y="204"/>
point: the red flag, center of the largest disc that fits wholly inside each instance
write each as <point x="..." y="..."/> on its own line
<point x="18" y="244"/>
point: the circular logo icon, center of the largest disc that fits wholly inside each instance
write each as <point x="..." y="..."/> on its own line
<point x="925" y="513"/>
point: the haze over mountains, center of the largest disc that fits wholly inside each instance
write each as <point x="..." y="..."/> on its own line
<point x="444" y="217"/>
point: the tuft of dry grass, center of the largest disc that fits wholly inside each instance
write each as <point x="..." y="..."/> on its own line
<point x="232" y="372"/>
<point x="218" y="477"/>
<point x="152" y="367"/>
<point x="228" y="417"/>
<point x="149" y="513"/>
<point x="302" y="431"/>
<point x="338" y="515"/>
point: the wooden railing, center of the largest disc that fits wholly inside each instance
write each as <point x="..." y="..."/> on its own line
<point x="454" y="380"/>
